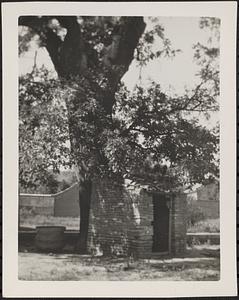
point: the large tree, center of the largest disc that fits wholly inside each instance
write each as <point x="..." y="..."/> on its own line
<point x="145" y="135"/>
<point x="76" y="55"/>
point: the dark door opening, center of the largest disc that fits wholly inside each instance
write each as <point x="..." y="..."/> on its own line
<point x="160" y="224"/>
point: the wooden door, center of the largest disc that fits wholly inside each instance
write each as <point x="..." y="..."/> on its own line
<point x="161" y="224"/>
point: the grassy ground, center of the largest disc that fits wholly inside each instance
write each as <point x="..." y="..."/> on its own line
<point x="201" y="263"/>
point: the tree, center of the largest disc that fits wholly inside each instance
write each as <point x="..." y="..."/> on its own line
<point x="75" y="58"/>
<point x="112" y="131"/>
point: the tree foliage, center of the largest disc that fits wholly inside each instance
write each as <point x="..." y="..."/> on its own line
<point x="144" y="135"/>
<point x="207" y="58"/>
<point x="43" y="129"/>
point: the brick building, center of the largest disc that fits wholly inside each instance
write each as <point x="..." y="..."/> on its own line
<point x="134" y="221"/>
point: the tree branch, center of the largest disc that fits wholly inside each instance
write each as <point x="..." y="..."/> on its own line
<point x="33" y="22"/>
<point x="124" y="41"/>
<point x="67" y="22"/>
<point x="49" y="38"/>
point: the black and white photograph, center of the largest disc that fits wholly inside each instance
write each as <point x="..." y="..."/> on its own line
<point x="119" y="147"/>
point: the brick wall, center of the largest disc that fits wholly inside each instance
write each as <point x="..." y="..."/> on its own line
<point x="141" y="230"/>
<point x="121" y="221"/>
<point x="208" y="200"/>
<point x="209" y="192"/>
<point x="210" y="208"/>
<point x="178" y="224"/>
<point x="41" y="204"/>
<point x="109" y="218"/>
<point x="63" y="204"/>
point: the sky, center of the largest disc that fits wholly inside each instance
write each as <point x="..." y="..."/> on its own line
<point x="183" y="32"/>
<point x="173" y="74"/>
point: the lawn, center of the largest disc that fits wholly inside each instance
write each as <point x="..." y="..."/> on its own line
<point x="201" y="263"/>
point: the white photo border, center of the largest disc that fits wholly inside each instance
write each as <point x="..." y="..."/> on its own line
<point x="227" y="285"/>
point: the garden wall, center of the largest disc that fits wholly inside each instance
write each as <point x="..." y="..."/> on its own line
<point x="209" y="208"/>
<point x="208" y="192"/>
<point x="67" y="202"/>
<point x="208" y="200"/>
<point x="40" y="204"/>
<point x="63" y="204"/>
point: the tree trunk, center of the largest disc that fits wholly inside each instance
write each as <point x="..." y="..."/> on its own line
<point x="84" y="202"/>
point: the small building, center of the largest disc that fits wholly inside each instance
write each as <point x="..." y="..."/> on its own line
<point x="134" y="221"/>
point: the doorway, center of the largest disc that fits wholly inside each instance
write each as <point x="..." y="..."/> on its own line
<point x="161" y="223"/>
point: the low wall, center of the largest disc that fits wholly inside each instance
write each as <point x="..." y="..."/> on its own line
<point x="206" y="198"/>
<point x="210" y="208"/>
<point x="63" y="204"/>
<point x="67" y="202"/>
<point x="26" y="240"/>
<point x="209" y="192"/>
<point x="40" y="204"/>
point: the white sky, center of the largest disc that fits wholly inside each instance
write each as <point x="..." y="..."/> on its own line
<point x="183" y="33"/>
<point x="174" y="74"/>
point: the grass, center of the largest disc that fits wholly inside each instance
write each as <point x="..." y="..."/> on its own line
<point x="209" y="225"/>
<point x="200" y="263"/>
<point x="197" y="265"/>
